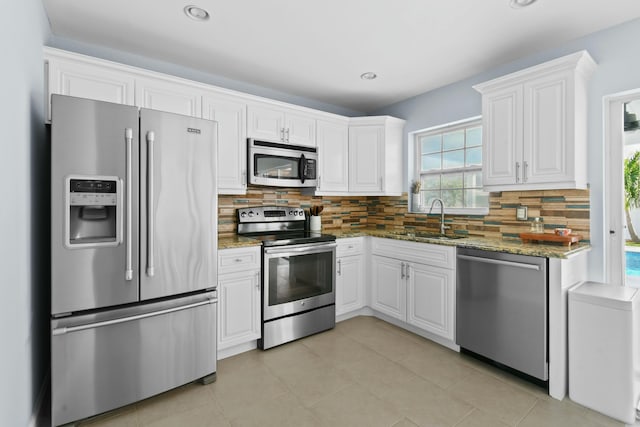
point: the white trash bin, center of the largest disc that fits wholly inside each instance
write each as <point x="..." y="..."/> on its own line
<point x="603" y="326"/>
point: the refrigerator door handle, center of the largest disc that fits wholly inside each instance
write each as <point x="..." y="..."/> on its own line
<point x="67" y="330"/>
<point x="128" y="136"/>
<point x="151" y="136"/>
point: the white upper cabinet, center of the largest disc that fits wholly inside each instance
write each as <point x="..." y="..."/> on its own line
<point x="91" y="79"/>
<point x="333" y="156"/>
<point x="282" y="124"/>
<point x="375" y="156"/>
<point x="231" y="115"/>
<point x="173" y="97"/>
<point x="534" y="126"/>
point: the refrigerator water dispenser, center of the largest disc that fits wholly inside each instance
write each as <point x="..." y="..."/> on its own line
<point x="93" y="212"/>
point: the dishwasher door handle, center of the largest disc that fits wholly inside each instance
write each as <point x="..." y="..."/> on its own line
<point x="500" y="262"/>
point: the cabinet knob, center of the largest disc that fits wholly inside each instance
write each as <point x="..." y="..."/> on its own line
<point x="402" y="270"/>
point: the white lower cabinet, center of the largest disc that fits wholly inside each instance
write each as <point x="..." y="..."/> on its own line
<point x="350" y="273"/>
<point x="389" y="288"/>
<point x="430" y="298"/>
<point x="406" y="287"/>
<point x="238" y="296"/>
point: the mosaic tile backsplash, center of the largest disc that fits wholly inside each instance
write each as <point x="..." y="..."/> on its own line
<point x="557" y="208"/>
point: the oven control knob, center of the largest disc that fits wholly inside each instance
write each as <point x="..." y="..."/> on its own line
<point x="301" y="212"/>
<point x="295" y="213"/>
<point x="243" y="214"/>
<point x="250" y="214"/>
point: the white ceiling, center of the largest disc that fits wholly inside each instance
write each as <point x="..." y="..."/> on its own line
<point x="318" y="49"/>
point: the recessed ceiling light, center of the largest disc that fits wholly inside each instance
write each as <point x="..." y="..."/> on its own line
<point x="368" y="75"/>
<point x="518" y="4"/>
<point x="196" y="13"/>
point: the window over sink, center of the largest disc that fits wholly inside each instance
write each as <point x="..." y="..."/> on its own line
<point x="448" y="166"/>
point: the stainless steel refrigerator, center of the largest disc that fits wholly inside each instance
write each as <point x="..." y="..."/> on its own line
<point x="133" y="248"/>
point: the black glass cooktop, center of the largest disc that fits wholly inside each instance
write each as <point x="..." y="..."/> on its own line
<point x="292" y="238"/>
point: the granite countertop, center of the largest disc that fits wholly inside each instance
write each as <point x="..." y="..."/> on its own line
<point x="237" y="242"/>
<point x="487" y="244"/>
<point x="494" y="245"/>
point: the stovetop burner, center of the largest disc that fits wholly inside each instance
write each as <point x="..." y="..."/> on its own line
<point x="278" y="226"/>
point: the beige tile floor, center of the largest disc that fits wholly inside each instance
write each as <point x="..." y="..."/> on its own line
<point x="365" y="372"/>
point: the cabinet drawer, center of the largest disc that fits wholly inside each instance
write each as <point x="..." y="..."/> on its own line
<point x="424" y="253"/>
<point x="241" y="259"/>
<point x="349" y="246"/>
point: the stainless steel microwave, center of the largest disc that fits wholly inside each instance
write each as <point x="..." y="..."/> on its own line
<point x="281" y="165"/>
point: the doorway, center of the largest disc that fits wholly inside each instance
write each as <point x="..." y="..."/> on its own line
<point x="620" y="145"/>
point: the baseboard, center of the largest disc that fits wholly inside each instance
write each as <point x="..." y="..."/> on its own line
<point x="240" y="348"/>
<point x="38" y="406"/>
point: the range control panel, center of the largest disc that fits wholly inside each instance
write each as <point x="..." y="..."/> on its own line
<point x="85" y="192"/>
<point x="270" y="214"/>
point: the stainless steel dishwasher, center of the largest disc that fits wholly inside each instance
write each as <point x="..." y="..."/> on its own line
<point x="501" y="309"/>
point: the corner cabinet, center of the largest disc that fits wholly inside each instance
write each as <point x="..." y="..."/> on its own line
<point x="415" y="283"/>
<point x="375" y="156"/>
<point x="239" y="297"/>
<point x="534" y="126"/>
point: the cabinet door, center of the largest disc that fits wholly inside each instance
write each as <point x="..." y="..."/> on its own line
<point x="231" y="115"/>
<point x="388" y="287"/>
<point x="502" y="136"/>
<point x="300" y="129"/>
<point x="548" y="138"/>
<point x="365" y="159"/>
<point x="84" y="80"/>
<point x="349" y="284"/>
<point x="333" y="156"/>
<point x="265" y="123"/>
<point x="430" y="299"/>
<point x="172" y="97"/>
<point x="238" y="308"/>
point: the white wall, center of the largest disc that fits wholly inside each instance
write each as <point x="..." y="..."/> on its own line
<point x="23" y="212"/>
<point x="617" y="71"/>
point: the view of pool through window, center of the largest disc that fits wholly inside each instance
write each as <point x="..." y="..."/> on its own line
<point x="633" y="263"/>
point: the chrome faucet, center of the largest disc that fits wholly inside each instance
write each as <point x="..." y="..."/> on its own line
<point x="442" y="226"/>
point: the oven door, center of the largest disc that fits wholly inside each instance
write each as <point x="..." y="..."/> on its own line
<point x="298" y="278"/>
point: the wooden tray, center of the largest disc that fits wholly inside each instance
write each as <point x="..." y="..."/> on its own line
<point x="548" y="237"/>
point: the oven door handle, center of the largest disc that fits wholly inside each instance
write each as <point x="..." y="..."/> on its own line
<point x="301" y="250"/>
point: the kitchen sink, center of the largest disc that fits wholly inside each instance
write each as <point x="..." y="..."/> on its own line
<point x="438" y="236"/>
<point x="430" y="235"/>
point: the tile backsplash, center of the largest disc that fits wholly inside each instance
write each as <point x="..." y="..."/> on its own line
<point x="557" y="208"/>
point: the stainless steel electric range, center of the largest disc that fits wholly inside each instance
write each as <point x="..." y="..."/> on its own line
<point x="298" y="273"/>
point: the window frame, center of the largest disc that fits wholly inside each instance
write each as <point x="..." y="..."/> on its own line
<point x="417" y="162"/>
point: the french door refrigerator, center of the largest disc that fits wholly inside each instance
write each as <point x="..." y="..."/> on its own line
<point x="133" y="248"/>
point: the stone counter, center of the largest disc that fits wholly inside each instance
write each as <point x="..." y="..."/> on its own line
<point x="494" y="245"/>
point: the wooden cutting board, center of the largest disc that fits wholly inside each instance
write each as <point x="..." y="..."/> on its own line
<point x="548" y="237"/>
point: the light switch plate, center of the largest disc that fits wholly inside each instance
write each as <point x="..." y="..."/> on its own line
<point x="521" y="213"/>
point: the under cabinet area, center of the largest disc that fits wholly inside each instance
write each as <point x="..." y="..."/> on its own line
<point x="534" y="126"/>
<point x="350" y="275"/>
<point x="239" y="290"/>
<point x="414" y="283"/>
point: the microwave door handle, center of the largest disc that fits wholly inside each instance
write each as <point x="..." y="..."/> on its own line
<point x="302" y="168"/>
